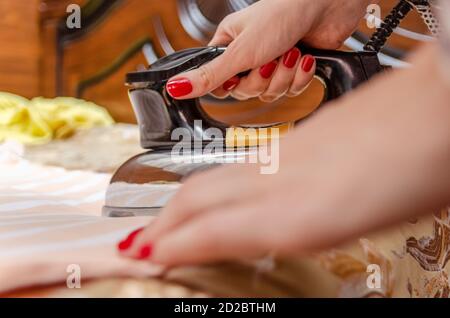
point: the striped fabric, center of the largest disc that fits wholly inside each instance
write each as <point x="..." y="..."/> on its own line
<point x="50" y="218"/>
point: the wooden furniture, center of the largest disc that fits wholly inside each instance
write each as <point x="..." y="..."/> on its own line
<point x="20" y="45"/>
<point x="44" y="57"/>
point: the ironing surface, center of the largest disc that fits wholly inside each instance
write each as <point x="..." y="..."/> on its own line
<point x="43" y="233"/>
<point x="50" y="219"/>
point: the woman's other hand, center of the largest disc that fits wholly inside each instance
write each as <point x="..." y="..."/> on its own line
<point x="377" y="156"/>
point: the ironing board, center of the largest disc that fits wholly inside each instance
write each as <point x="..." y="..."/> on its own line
<point x="412" y="257"/>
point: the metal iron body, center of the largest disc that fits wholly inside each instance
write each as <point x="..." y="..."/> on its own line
<point x="144" y="184"/>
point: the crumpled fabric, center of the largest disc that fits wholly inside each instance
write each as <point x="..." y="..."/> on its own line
<point x="51" y="226"/>
<point x="41" y="120"/>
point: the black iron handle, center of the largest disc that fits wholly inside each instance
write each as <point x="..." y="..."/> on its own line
<point x="340" y="71"/>
<point x="158" y="114"/>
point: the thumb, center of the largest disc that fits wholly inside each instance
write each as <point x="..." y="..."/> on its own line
<point x="207" y="77"/>
<point x="221" y="38"/>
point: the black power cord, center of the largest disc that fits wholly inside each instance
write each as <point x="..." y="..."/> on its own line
<point x="398" y="13"/>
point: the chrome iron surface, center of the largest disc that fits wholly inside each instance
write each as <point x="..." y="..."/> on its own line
<point x="146" y="182"/>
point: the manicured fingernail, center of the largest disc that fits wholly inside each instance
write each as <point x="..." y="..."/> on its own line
<point x="307" y="63"/>
<point x="231" y="83"/>
<point x="126" y="243"/>
<point x="267" y="70"/>
<point x="145" y="252"/>
<point x="291" y="57"/>
<point x="179" y="87"/>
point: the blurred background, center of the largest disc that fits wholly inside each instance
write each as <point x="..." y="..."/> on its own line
<point x="40" y="56"/>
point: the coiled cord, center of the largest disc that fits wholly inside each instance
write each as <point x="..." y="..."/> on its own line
<point x="379" y="38"/>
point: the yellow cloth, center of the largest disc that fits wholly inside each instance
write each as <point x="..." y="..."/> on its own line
<point x="41" y="120"/>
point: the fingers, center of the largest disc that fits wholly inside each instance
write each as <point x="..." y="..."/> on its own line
<point x="224" y="90"/>
<point x="196" y="196"/>
<point x="289" y="76"/>
<point x="283" y="77"/>
<point x="223" y="234"/>
<point x="303" y="76"/>
<point x="256" y="82"/>
<point x="220" y="73"/>
<point x="206" y="78"/>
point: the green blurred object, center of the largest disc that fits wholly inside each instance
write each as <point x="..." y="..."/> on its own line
<point x="41" y="120"/>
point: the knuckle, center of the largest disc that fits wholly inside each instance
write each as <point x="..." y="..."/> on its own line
<point x="260" y="88"/>
<point x="264" y="99"/>
<point x="233" y="54"/>
<point x="206" y="76"/>
<point x="295" y="91"/>
<point x="227" y="20"/>
<point x="268" y="98"/>
<point x="231" y="20"/>
<point x="298" y="89"/>
<point x="257" y="89"/>
<point x="223" y="25"/>
<point x="238" y="96"/>
<point x="219" y="96"/>
<point x="292" y="94"/>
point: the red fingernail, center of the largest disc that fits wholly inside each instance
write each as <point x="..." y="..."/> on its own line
<point x="307" y="63"/>
<point x="231" y="83"/>
<point x="291" y="57"/>
<point x="267" y="70"/>
<point x="179" y="87"/>
<point x="126" y="243"/>
<point x="145" y="252"/>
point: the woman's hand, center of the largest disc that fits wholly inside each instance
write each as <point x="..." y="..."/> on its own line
<point x="261" y="38"/>
<point x="373" y="158"/>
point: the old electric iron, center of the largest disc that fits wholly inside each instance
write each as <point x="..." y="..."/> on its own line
<point x="143" y="184"/>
